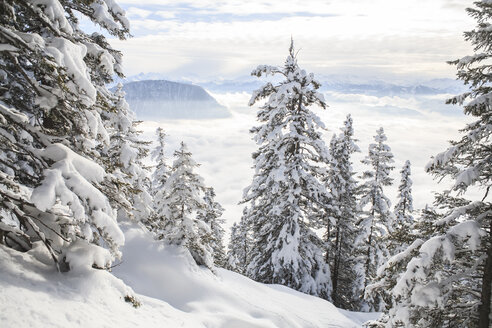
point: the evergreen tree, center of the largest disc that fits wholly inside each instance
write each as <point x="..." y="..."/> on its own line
<point x="124" y="157"/>
<point x="240" y="246"/>
<point x="376" y="218"/>
<point x="211" y="214"/>
<point x="401" y="235"/>
<point x="159" y="177"/>
<point x="161" y="172"/>
<point x="54" y="110"/>
<point x="450" y="279"/>
<point x="340" y="233"/>
<point x="179" y="203"/>
<point x="286" y="194"/>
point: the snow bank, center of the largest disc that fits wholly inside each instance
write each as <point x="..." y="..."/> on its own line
<point x="181" y="294"/>
<point x="226" y="299"/>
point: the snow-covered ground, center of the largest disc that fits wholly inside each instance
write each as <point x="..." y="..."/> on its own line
<point x="172" y="290"/>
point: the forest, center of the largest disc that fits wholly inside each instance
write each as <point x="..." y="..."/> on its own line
<point x="74" y="175"/>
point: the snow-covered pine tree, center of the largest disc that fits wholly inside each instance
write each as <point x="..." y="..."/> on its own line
<point x="341" y="230"/>
<point x="179" y="202"/>
<point x="401" y="236"/>
<point x="124" y="159"/>
<point x="286" y="193"/>
<point x="449" y="281"/>
<point x="161" y="172"/>
<point x="158" y="181"/>
<point x="53" y="102"/>
<point x="240" y="246"/>
<point x="211" y="214"/>
<point x="376" y="217"/>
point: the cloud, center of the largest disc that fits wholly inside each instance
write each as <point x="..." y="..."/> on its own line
<point x="228" y="38"/>
<point x="224" y="147"/>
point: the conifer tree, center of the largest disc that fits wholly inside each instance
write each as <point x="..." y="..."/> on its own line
<point x="450" y="279"/>
<point x="211" y="214"/>
<point x="179" y="203"/>
<point x="286" y="193"/>
<point x="240" y="246"/>
<point x="401" y="234"/>
<point x="54" y="110"/>
<point x="124" y="158"/>
<point x="161" y="172"/>
<point x="341" y="233"/>
<point x="376" y="218"/>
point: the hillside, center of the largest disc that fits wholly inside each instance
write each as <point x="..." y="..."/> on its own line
<point x="173" y="293"/>
<point x="171" y="100"/>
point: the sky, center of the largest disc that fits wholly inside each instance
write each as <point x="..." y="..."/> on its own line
<point x="215" y="39"/>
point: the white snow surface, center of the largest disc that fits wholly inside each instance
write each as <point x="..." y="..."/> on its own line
<point x="173" y="291"/>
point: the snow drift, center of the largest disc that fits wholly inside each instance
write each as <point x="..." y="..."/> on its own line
<point x="172" y="290"/>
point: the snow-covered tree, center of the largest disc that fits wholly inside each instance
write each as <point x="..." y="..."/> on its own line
<point x="178" y="204"/>
<point x="448" y="283"/>
<point x="157" y="183"/>
<point x="240" y="246"/>
<point x="161" y="172"/>
<point x="286" y="193"/>
<point x="211" y="214"/>
<point x="342" y="217"/>
<point x="54" y="108"/>
<point x="376" y="218"/>
<point x="124" y="158"/>
<point x="401" y="235"/>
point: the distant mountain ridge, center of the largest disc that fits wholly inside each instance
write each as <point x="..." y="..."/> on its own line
<point x="336" y="83"/>
<point x="151" y="99"/>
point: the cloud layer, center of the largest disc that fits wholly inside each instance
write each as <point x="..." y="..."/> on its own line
<point x="213" y="39"/>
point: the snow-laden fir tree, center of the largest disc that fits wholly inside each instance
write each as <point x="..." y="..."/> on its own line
<point x="161" y="172"/>
<point x="286" y="193"/>
<point x="240" y="246"/>
<point x="54" y="108"/>
<point x="124" y="157"/>
<point x="211" y="215"/>
<point x="157" y="183"/>
<point x="448" y="283"/>
<point x="342" y="217"/>
<point x="177" y="220"/>
<point x="376" y="217"/>
<point x="401" y="235"/>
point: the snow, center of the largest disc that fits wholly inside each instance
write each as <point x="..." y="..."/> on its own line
<point x="173" y="292"/>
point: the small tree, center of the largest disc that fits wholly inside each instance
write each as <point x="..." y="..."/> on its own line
<point x="179" y="202"/>
<point x="376" y="218"/>
<point x="401" y="235"/>
<point x="211" y="215"/>
<point x="240" y="246"/>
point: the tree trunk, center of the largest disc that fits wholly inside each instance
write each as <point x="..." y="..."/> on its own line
<point x="484" y="309"/>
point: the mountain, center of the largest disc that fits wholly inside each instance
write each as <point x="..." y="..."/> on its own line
<point x="155" y="99"/>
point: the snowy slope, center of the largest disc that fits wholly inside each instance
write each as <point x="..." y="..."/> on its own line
<point x="178" y="294"/>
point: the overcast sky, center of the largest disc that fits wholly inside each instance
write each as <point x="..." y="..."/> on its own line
<point x="210" y="39"/>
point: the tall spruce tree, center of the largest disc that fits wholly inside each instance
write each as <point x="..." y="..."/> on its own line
<point x="376" y="217"/>
<point x="54" y="110"/>
<point x="177" y="219"/>
<point x="286" y="193"/>
<point x="340" y="232"/>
